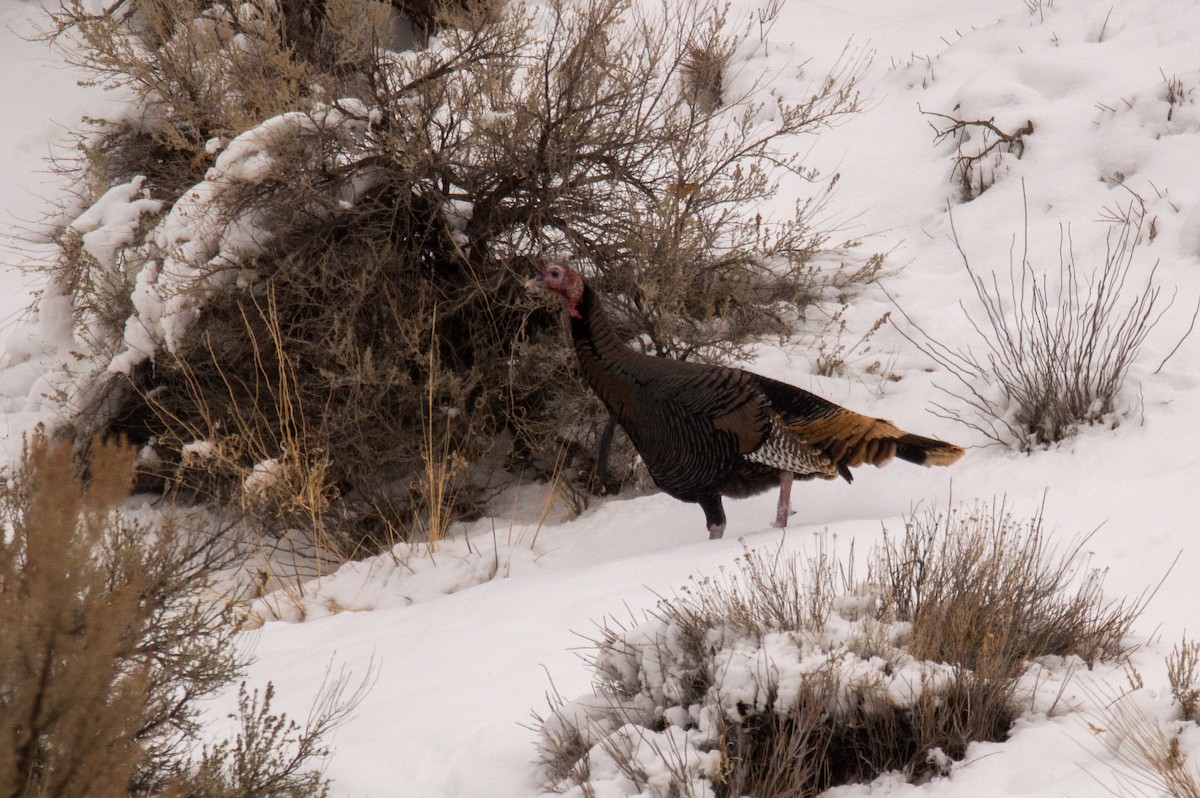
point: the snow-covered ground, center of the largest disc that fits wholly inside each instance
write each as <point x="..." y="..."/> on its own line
<point x="467" y="641"/>
<point x="43" y="104"/>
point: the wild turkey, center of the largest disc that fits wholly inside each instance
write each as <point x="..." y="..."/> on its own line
<point x="708" y="431"/>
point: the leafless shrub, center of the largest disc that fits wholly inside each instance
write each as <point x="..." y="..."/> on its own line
<point x="393" y="241"/>
<point x="767" y="592"/>
<point x="271" y="755"/>
<point x="777" y="678"/>
<point x="74" y="688"/>
<point x="1148" y="749"/>
<point x="975" y="171"/>
<point x="1057" y="344"/>
<point x="207" y="69"/>
<point x="228" y="770"/>
<point x="834" y="355"/>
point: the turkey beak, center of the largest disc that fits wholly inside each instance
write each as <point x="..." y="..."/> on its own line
<point x="534" y="282"/>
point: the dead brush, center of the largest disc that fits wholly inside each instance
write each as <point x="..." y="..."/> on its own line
<point x="988" y="591"/>
<point x="1148" y="755"/>
<point x="1183" y="675"/>
<point x="205" y="72"/>
<point x="969" y="597"/>
<point x="114" y="632"/>
<point x="835" y="356"/>
<point x="772" y="592"/>
<point x="105" y="292"/>
<point x="1056" y="345"/>
<point x="459" y="173"/>
<point x="68" y="720"/>
<point x="789" y="751"/>
<point x="975" y="168"/>
<point x="801" y="747"/>
<point x="250" y="445"/>
<point x="767" y="591"/>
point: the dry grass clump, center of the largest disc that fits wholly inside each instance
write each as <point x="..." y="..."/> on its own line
<point x="1148" y="755"/>
<point x="333" y="235"/>
<point x="112" y="635"/>
<point x="783" y="678"/>
<point x="1183" y="674"/>
<point x="1152" y="746"/>
<point x="247" y="444"/>
<point x="988" y="591"/>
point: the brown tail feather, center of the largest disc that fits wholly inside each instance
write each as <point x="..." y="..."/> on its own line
<point x="852" y="439"/>
<point x="927" y="451"/>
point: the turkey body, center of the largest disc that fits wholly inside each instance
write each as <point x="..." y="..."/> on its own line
<point x="707" y="431"/>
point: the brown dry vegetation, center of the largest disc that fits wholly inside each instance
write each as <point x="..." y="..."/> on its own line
<point x="384" y="308"/>
<point x="1053" y="348"/>
<point x="113" y="634"/>
<point x="973" y="588"/>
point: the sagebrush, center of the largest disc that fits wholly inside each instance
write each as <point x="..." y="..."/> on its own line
<point x="988" y="590"/>
<point x="113" y="636"/>
<point x="787" y="675"/>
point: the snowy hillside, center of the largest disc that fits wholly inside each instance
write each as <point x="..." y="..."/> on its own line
<point x="467" y="641"/>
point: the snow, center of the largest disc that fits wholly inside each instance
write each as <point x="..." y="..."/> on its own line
<point x="263" y="477"/>
<point x="469" y="637"/>
<point x="203" y="248"/>
<point x="109" y="223"/>
<point x="42" y="102"/>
